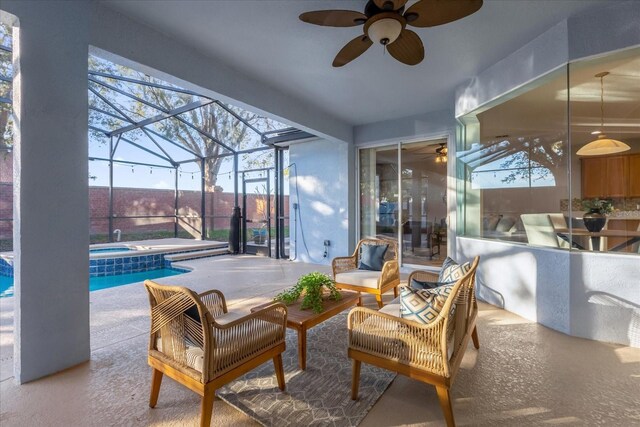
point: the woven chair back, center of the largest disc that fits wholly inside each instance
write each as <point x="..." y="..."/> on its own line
<point x="463" y="298"/>
<point x="175" y="324"/>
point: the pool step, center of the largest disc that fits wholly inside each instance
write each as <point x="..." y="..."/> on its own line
<point x="197" y="254"/>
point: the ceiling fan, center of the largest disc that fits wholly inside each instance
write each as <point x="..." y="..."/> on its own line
<point x="441" y="153"/>
<point x="385" y="22"/>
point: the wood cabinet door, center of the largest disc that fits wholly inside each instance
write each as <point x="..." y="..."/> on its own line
<point x="594" y="177"/>
<point x="634" y="175"/>
<point x="617" y="184"/>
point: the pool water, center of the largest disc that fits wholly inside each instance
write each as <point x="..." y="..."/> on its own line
<point x="105" y="282"/>
<point x="107" y="250"/>
<point x="6" y="286"/>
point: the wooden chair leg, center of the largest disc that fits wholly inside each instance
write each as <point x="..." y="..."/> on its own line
<point x="156" y="380"/>
<point x="277" y="363"/>
<point x="445" y="404"/>
<point x="474" y="337"/>
<point x="355" y="381"/>
<point x="206" y="407"/>
<point x="395" y="292"/>
<point x="379" y="299"/>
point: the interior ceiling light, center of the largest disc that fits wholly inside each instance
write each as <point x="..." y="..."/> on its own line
<point x="603" y="144"/>
<point x="385" y="23"/>
<point x="441" y="153"/>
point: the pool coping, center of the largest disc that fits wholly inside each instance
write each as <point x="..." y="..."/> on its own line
<point x="144" y="257"/>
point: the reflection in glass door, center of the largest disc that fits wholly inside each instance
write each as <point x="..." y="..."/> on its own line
<point x="424" y="202"/>
<point x="408" y="203"/>
<point x="379" y="215"/>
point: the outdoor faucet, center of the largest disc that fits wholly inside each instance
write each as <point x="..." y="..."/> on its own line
<point x="117" y="232"/>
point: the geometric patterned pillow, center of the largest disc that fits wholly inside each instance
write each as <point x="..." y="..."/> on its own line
<point x="423" y="305"/>
<point x="452" y="271"/>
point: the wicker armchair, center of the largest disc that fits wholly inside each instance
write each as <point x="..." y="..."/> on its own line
<point x="195" y="341"/>
<point x="430" y="353"/>
<point x="347" y="275"/>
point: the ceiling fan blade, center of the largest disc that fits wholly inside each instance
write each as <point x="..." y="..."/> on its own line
<point x="429" y="13"/>
<point x="352" y="50"/>
<point x="407" y="48"/>
<point x="334" y="18"/>
<point x="390" y="4"/>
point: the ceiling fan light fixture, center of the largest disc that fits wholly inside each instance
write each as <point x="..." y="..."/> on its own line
<point x="384" y="31"/>
<point x="441" y="153"/>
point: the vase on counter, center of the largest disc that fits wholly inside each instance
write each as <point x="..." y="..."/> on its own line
<point x="594" y="221"/>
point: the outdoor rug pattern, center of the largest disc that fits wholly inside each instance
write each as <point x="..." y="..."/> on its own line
<point x="317" y="396"/>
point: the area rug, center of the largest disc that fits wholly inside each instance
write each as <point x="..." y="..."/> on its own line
<point x="317" y="396"/>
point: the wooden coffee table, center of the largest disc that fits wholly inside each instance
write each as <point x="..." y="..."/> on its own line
<point x="303" y="320"/>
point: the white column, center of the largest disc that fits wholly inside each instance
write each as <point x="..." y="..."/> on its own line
<point x="51" y="207"/>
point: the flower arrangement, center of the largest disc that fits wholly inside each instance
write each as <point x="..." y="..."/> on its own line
<point x="311" y="285"/>
<point x="601" y="206"/>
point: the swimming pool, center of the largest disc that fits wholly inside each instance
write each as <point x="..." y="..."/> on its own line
<point x="110" y="249"/>
<point x="105" y="282"/>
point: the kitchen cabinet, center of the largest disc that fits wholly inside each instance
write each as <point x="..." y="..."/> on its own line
<point x="611" y="176"/>
<point x="634" y="175"/>
<point x="594" y="177"/>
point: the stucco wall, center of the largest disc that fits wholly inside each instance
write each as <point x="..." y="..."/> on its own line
<point x="436" y="123"/>
<point x="585" y="294"/>
<point x="532" y="282"/>
<point x="320" y="172"/>
<point x="51" y="210"/>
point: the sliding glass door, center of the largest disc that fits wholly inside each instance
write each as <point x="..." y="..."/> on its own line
<point x="424" y="202"/>
<point x="379" y="215"/>
<point x="403" y="198"/>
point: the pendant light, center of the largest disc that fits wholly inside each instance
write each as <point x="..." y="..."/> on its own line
<point x="603" y="144"/>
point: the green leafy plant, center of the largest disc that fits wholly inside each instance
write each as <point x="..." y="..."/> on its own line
<point x="310" y="286"/>
<point x="601" y="206"/>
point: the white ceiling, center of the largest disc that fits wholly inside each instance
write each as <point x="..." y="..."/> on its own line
<point x="265" y="40"/>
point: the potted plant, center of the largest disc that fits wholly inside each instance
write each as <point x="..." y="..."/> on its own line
<point x="313" y="287"/>
<point x="595" y="217"/>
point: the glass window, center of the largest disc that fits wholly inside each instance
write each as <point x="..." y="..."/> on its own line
<point x="520" y="173"/>
<point x="514" y="166"/>
<point x="605" y="100"/>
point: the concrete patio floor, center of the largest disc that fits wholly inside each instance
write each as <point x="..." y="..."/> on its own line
<point x="524" y="374"/>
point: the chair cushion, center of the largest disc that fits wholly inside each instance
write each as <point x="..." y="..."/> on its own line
<point x="194" y="354"/>
<point x="423" y="305"/>
<point x="505" y="224"/>
<point x="392" y="308"/>
<point x="452" y="271"/>
<point x="364" y="278"/>
<point x="229" y="317"/>
<point x="372" y="257"/>
<point x="489" y="222"/>
<point x="225" y="345"/>
<point x="420" y="284"/>
<point x="193" y="313"/>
